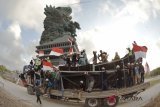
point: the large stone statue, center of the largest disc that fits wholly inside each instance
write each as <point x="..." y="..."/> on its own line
<point x="57" y="23"/>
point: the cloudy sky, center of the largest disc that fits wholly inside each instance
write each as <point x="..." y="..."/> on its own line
<point x="110" y="25"/>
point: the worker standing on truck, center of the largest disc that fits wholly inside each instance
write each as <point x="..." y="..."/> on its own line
<point x="141" y="69"/>
<point x="119" y="73"/>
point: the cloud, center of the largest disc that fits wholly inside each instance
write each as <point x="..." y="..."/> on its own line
<point x="111" y="39"/>
<point x="16" y="30"/>
<point x="13" y="53"/>
<point x="116" y="37"/>
<point x="29" y="51"/>
<point x="158" y="43"/>
<point x="139" y="10"/>
<point x="11" y="48"/>
<point x="29" y="15"/>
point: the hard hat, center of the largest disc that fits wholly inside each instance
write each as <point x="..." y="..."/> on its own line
<point x="117" y="66"/>
<point x="81" y="81"/>
<point x="47" y="79"/>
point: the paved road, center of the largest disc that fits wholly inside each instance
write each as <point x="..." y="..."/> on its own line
<point x="21" y="94"/>
<point x="146" y="96"/>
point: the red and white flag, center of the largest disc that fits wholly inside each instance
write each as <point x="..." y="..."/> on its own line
<point x="139" y="51"/>
<point x="56" y="51"/>
<point x="47" y="65"/>
<point x="70" y="51"/>
<point x="41" y="53"/>
<point x="146" y="68"/>
<point x="70" y="40"/>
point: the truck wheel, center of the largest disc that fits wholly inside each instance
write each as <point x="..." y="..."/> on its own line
<point x="92" y="102"/>
<point x="110" y="101"/>
<point x="30" y="90"/>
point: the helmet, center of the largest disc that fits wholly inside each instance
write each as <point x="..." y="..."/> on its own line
<point x="117" y="67"/>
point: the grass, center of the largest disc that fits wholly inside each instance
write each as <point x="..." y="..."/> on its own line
<point x="154" y="102"/>
<point x="154" y="82"/>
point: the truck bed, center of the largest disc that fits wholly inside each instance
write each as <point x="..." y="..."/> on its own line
<point x="78" y="94"/>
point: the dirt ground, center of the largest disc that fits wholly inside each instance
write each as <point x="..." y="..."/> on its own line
<point x="154" y="102"/>
<point x="7" y="100"/>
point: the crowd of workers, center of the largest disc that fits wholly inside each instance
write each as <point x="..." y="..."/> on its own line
<point x="76" y="59"/>
<point x="129" y="74"/>
<point x="132" y="74"/>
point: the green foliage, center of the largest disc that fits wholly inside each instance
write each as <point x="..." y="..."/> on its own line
<point x="154" y="72"/>
<point x="154" y="82"/>
<point x="3" y="69"/>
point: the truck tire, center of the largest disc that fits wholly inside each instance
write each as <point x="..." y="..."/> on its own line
<point x="92" y="102"/>
<point x="30" y="90"/>
<point x="110" y="101"/>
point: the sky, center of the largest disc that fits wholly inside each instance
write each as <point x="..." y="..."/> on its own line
<point x="108" y="25"/>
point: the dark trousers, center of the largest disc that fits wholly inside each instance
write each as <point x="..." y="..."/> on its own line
<point x="105" y="85"/>
<point x="129" y="81"/>
<point x="119" y="83"/>
<point x="142" y="77"/>
<point x="38" y="99"/>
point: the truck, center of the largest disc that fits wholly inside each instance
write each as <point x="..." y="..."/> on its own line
<point x="95" y="84"/>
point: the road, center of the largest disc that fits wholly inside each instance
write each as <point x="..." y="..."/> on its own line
<point x="21" y="94"/>
<point x="146" y="96"/>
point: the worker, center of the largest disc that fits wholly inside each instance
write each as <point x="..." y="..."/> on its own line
<point x="38" y="93"/>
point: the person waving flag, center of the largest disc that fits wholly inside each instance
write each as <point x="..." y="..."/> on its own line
<point x="139" y="51"/>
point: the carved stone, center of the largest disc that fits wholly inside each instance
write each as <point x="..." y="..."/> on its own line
<point x="57" y="23"/>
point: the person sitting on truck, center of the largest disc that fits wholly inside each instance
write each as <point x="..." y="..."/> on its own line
<point x="117" y="57"/>
<point x="103" y="56"/>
